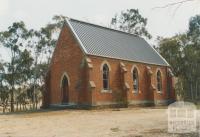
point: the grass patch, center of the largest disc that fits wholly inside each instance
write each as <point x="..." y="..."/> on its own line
<point x="116" y="129"/>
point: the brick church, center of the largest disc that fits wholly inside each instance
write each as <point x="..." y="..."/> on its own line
<point x="97" y="66"/>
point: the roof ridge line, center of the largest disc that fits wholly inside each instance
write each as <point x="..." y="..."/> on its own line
<point x="97" y="25"/>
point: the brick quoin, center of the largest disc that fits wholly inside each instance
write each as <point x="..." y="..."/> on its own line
<point x="84" y="75"/>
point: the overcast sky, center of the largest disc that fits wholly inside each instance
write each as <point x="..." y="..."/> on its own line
<point x="161" y="22"/>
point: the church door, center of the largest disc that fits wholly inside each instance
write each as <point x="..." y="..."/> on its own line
<point x="65" y="90"/>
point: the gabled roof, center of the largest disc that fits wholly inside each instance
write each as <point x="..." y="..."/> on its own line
<point x="101" y="41"/>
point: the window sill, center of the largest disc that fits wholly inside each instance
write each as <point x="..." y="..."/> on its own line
<point x="106" y="91"/>
<point x="135" y="92"/>
<point x="159" y="92"/>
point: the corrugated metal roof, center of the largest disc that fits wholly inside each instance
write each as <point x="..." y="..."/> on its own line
<point x="102" y="41"/>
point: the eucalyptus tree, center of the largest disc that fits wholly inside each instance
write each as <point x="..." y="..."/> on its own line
<point x="4" y="92"/>
<point x="13" y="39"/>
<point x="194" y="37"/>
<point x="36" y="44"/>
<point x="24" y="68"/>
<point x="131" y="21"/>
<point x="183" y="53"/>
<point x="172" y="50"/>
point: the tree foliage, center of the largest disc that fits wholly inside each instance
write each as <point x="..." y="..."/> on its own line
<point x="183" y="53"/>
<point x="22" y="77"/>
<point x="131" y="21"/>
<point x="13" y="39"/>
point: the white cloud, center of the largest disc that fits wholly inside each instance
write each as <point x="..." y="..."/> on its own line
<point x="4" y="5"/>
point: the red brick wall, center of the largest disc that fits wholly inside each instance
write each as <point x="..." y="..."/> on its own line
<point x="115" y="81"/>
<point x="67" y="58"/>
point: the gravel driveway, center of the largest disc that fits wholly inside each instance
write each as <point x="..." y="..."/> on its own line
<point x="131" y="122"/>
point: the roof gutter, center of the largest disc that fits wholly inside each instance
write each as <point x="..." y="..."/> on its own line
<point x="129" y="60"/>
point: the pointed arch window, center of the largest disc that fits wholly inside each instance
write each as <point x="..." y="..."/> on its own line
<point x="105" y="77"/>
<point x="159" y="81"/>
<point x="135" y="80"/>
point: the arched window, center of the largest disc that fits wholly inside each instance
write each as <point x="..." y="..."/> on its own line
<point x="105" y="77"/>
<point x="159" y="81"/>
<point x="135" y="80"/>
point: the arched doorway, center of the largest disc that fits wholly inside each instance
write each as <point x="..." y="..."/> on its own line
<point x="65" y="90"/>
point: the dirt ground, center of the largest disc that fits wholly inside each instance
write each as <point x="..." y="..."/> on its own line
<point x="131" y="122"/>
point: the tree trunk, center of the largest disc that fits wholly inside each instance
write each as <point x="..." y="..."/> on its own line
<point x="191" y="90"/>
<point x="196" y="89"/>
<point x="4" y="108"/>
<point x="17" y="106"/>
<point x="12" y="100"/>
